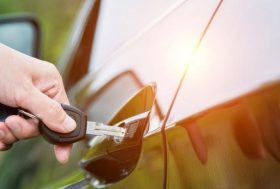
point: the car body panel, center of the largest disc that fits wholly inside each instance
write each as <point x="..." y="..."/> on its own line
<point x="239" y="53"/>
<point x="235" y="144"/>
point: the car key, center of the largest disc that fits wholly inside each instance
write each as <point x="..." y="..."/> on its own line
<point x="82" y="129"/>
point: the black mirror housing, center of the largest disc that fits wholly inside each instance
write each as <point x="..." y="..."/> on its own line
<point x="21" y="32"/>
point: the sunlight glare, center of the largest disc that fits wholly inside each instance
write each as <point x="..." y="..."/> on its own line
<point x="182" y="57"/>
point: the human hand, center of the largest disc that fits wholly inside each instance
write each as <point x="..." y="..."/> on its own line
<point x="36" y="86"/>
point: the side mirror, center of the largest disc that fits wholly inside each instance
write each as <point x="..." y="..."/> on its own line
<point x="21" y="33"/>
<point x="108" y="160"/>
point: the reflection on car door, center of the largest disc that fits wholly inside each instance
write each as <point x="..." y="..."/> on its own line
<point x="230" y="146"/>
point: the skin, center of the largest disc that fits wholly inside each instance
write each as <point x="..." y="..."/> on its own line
<point x="36" y="86"/>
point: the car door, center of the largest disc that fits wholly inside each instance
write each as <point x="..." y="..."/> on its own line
<point x="155" y="49"/>
<point x="228" y="134"/>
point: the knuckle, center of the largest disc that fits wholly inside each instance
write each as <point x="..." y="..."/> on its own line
<point x="25" y="135"/>
<point x="21" y="95"/>
<point x="52" y="67"/>
<point x="55" y="84"/>
<point x="54" y="73"/>
<point x="20" y="98"/>
<point x="25" y="131"/>
<point x="49" y="67"/>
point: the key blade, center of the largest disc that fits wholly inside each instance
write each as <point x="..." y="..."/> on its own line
<point x="26" y="114"/>
<point x="97" y="129"/>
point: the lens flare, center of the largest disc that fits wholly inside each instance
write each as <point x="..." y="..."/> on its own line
<point x="181" y="57"/>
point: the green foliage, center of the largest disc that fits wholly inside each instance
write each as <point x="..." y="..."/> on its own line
<point x="31" y="164"/>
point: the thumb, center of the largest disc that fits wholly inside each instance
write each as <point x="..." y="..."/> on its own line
<point x="48" y="110"/>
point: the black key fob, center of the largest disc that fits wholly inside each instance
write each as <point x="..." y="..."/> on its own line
<point x="67" y="138"/>
<point x="51" y="136"/>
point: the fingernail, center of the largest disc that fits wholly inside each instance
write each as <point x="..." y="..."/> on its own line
<point x="63" y="157"/>
<point x="69" y="124"/>
<point x="2" y="146"/>
<point x="2" y="134"/>
<point x="16" y="128"/>
<point x="62" y="154"/>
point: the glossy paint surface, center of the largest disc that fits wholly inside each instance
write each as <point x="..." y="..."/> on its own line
<point x="234" y="145"/>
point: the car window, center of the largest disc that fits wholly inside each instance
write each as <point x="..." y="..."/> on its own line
<point x="240" y="52"/>
<point x="156" y="54"/>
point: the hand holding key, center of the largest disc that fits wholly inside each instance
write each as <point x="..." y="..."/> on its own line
<point x="36" y="86"/>
<point x="121" y="130"/>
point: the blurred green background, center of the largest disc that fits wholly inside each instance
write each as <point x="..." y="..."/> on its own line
<point x="55" y="17"/>
<point x="31" y="164"/>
